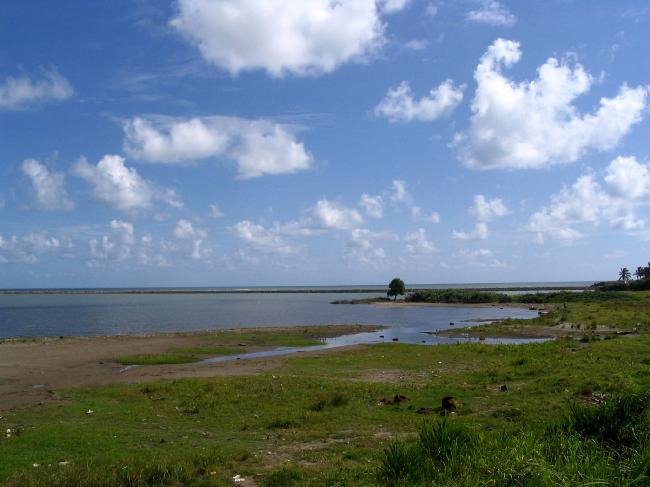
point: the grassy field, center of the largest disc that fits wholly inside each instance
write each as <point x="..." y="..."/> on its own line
<point x="320" y="420"/>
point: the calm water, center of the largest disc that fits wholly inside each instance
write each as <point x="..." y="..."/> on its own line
<point x="28" y="315"/>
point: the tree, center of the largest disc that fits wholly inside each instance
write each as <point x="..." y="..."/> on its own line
<point x="624" y="275"/>
<point x="396" y="288"/>
<point x="640" y="272"/>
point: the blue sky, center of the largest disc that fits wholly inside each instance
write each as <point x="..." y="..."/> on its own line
<point x="268" y="142"/>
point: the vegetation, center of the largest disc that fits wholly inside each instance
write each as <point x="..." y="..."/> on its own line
<point x="232" y="342"/>
<point x="396" y="287"/>
<point x="573" y="413"/>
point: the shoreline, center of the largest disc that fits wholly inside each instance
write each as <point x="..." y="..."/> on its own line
<point x="360" y="290"/>
<point x="38" y="371"/>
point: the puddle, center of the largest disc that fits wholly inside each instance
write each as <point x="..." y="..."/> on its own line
<point x="419" y="335"/>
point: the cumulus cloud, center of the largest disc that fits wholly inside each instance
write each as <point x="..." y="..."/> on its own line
<point x="258" y="147"/>
<point x="215" y="211"/>
<point x="22" y="92"/>
<point x="115" y="247"/>
<point x="121" y="245"/>
<point x="360" y="247"/>
<point x="185" y="230"/>
<point x="28" y="248"/>
<point x="417" y="242"/>
<point x="283" y="37"/>
<point x="122" y="187"/>
<point x="334" y="216"/>
<point x="479" y="257"/>
<point x="534" y="124"/>
<point x="491" y="12"/>
<point x="588" y="201"/>
<point x="373" y="205"/>
<point x="485" y="209"/>
<point x="49" y="187"/>
<point x="417" y="215"/>
<point x="400" y="193"/>
<point x="400" y="106"/>
<point x="261" y="238"/>
<point x="480" y="232"/>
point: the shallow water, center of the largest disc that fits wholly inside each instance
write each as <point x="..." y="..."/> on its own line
<point x="396" y="334"/>
<point x="29" y="315"/>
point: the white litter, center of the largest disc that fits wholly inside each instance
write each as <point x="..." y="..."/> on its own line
<point x="238" y="478"/>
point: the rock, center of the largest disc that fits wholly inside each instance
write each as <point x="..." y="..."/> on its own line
<point x="451" y="323"/>
<point x="504" y="388"/>
<point x="396" y="339"/>
<point x="400" y="398"/>
<point x="449" y="403"/>
<point x="381" y="336"/>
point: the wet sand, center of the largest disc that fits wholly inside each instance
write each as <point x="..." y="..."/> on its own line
<point x="36" y="371"/>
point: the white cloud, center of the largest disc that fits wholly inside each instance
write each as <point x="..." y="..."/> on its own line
<point x="279" y="36"/>
<point x="258" y="147"/>
<point x="627" y="178"/>
<point x="627" y="187"/>
<point x="486" y="210"/>
<point x="373" y="205"/>
<point x="360" y="247"/>
<point x="479" y="257"/>
<point x="432" y="9"/>
<point x="122" y="187"/>
<point x="120" y="245"/>
<point x="19" y="93"/>
<point x="480" y="232"/>
<point x="334" y="216"/>
<point x="399" y="192"/>
<point x="215" y="211"/>
<point x="49" y="187"/>
<point x="185" y="230"/>
<point x="28" y="248"/>
<point x="392" y="6"/>
<point x="416" y="44"/>
<point x="492" y="12"/>
<point x="260" y="238"/>
<point x="417" y="242"/>
<point x="400" y="106"/>
<point x="535" y="123"/>
<point x="416" y="214"/>
<point x="173" y="142"/>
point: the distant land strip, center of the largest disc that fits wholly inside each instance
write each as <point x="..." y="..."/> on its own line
<point x="279" y="291"/>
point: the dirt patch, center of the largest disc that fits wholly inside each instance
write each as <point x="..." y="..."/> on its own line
<point x="32" y="372"/>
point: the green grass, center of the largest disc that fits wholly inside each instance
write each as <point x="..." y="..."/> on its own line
<point x="318" y="420"/>
<point x="230" y="342"/>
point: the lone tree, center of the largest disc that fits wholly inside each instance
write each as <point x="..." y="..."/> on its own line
<point x="396" y="288"/>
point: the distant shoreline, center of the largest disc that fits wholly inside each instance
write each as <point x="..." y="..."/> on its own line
<point x="145" y="291"/>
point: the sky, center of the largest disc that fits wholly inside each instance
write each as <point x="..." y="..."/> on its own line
<point x="322" y="142"/>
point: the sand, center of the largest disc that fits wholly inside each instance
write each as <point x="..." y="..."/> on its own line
<point x="35" y="372"/>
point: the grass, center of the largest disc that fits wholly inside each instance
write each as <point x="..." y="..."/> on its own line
<point x="230" y="342"/>
<point x="318" y="420"/>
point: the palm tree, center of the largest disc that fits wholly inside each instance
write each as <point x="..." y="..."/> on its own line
<point x="640" y="272"/>
<point x="624" y="275"/>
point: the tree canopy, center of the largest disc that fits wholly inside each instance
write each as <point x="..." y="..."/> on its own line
<point x="396" y="287"/>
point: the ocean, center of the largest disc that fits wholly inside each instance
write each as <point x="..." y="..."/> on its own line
<point x="51" y="313"/>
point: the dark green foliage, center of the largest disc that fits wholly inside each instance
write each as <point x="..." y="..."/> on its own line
<point x="335" y="400"/>
<point x="621" y="422"/>
<point x="457" y="296"/>
<point x="444" y="440"/>
<point x="396" y="287"/>
<point x="285" y="476"/>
